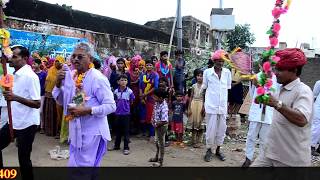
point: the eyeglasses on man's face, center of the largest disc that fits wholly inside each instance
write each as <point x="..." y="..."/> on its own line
<point x="78" y="56"/>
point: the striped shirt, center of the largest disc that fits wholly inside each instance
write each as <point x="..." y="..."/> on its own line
<point x="160" y="112"/>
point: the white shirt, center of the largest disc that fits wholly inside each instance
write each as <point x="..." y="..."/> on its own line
<point x="216" y="99"/>
<point x="316" y="93"/>
<point x="26" y="84"/>
<point x="255" y="112"/>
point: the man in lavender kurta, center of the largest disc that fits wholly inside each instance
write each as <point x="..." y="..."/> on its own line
<point x="88" y="130"/>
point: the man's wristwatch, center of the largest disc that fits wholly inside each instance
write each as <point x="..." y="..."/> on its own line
<point x="279" y="105"/>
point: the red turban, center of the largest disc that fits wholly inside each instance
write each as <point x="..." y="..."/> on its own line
<point x="290" y="58"/>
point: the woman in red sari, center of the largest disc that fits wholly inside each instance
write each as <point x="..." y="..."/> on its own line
<point x="148" y="83"/>
<point x="134" y="86"/>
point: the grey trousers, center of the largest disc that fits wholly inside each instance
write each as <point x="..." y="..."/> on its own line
<point x="160" y="133"/>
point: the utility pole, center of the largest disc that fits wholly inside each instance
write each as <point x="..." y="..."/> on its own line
<point x="172" y="33"/>
<point x="221" y="4"/>
<point x="221" y="21"/>
<point x="179" y="25"/>
<point x="219" y="34"/>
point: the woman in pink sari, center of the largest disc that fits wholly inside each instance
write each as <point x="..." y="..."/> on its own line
<point x="109" y="65"/>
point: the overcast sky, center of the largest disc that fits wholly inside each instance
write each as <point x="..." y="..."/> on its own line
<point x="300" y="24"/>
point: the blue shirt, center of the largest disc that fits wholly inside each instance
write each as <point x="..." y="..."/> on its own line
<point x="123" y="99"/>
<point x="42" y="78"/>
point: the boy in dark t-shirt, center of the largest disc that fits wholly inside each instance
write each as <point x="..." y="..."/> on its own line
<point x="178" y="108"/>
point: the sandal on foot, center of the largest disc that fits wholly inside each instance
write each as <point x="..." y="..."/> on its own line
<point x="57" y="136"/>
<point x="157" y="164"/>
<point x="126" y="152"/>
<point x="196" y="146"/>
<point x="182" y="145"/>
<point x="153" y="159"/>
<point x="167" y="144"/>
<point x="175" y="143"/>
<point x="221" y="156"/>
<point x="208" y="156"/>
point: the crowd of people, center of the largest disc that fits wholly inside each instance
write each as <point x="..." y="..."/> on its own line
<point x="78" y="99"/>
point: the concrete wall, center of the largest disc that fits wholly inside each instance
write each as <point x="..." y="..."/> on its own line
<point x="311" y="72"/>
<point x="105" y="44"/>
<point x="189" y="24"/>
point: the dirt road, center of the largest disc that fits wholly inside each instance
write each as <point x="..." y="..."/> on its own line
<point x="141" y="151"/>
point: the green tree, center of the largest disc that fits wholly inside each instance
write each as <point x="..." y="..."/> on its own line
<point x="239" y="37"/>
<point x="194" y="61"/>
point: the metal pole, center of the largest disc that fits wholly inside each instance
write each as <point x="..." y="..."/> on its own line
<point x="221" y="4"/>
<point x="179" y="25"/>
<point x="172" y="33"/>
<point x="220" y="33"/>
<point x="219" y="39"/>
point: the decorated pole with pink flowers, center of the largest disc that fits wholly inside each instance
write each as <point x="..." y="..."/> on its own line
<point x="5" y="52"/>
<point x="265" y="78"/>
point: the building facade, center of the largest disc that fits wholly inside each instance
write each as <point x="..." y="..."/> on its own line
<point x="39" y="24"/>
<point x="196" y="32"/>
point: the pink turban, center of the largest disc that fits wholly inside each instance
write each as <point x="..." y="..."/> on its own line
<point x="136" y="58"/>
<point x="217" y="55"/>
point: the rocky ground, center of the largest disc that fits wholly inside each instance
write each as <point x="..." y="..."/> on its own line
<point x="141" y="151"/>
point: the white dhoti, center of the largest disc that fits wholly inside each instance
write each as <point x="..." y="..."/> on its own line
<point x="4" y="116"/>
<point x="215" y="130"/>
<point x="315" y="132"/>
<point x="256" y="129"/>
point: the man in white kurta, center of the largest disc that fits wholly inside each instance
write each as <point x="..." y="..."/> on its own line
<point x="216" y="82"/>
<point x="315" y="128"/>
<point x="260" y="118"/>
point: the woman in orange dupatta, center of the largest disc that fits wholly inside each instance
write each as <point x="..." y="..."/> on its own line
<point x="52" y="113"/>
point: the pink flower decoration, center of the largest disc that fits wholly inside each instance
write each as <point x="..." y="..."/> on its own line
<point x="269" y="83"/>
<point x="275" y="58"/>
<point x="276" y="12"/>
<point x="283" y="10"/>
<point x="276" y="27"/>
<point x="266" y="67"/>
<point x="273" y="41"/>
<point x="260" y="91"/>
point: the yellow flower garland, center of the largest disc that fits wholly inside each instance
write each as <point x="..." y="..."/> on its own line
<point x="5" y="42"/>
<point x="78" y="79"/>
